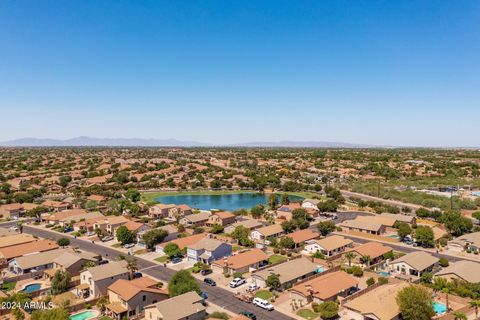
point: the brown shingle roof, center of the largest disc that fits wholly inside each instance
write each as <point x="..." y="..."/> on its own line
<point x="371" y="249"/>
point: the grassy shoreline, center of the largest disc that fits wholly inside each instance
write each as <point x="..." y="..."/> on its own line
<point x="150" y="196"/>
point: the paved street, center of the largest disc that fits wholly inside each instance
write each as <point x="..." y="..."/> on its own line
<point x="216" y="295"/>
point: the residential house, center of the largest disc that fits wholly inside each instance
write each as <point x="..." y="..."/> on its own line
<point x="369" y="253"/>
<point x="138" y="228"/>
<point x="222" y="218"/>
<point x="56" y="205"/>
<point x="160" y="211"/>
<point x="284" y="212"/>
<point x="8" y="253"/>
<point x="208" y="250"/>
<point x="399" y="217"/>
<point x="367" y="224"/>
<point x="328" y="246"/>
<point x="15" y="239"/>
<point x="250" y="224"/>
<point x="110" y="224"/>
<point x="377" y="304"/>
<point x="300" y="236"/>
<point x="243" y="262"/>
<point x="414" y="264"/>
<point x="182" y="243"/>
<point x="129" y="298"/>
<point x="95" y="281"/>
<point x="187" y="306"/>
<point x="12" y="211"/>
<point x="463" y="270"/>
<point x="310" y="204"/>
<point x="467" y="242"/>
<point x="262" y="234"/>
<point x="326" y="287"/>
<point x="288" y="272"/>
<point x="195" y="220"/>
<point x="172" y="232"/>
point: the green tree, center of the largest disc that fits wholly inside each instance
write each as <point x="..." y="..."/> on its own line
<point x="455" y="223"/>
<point x="153" y="237"/>
<point x="63" y="181"/>
<point x="443" y="262"/>
<point x="328" y="310"/>
<point x="289" y="226"/>
<point x="273" y="201"/>
<point x="424" y="235"/>
<point x="350" y="256"/>
<point x="273" y="281"/>
<point x="63" y="242"/>
<point x="257" y="211"/>
<point x="325" y="227"/>
<point x="50" y="314"/>
<point x="403" y="230"/>
<point x="285" y="199"/>
<point x="133" y="195"/>
<point x="328" y="205"/>
<point x="124" y="235"/>
<point x="182" y="282"/>
<point x="459" y="316"/>
<point x="60" y="282"/>
<point x="172" y="250"/>
<point x="216" y="228"/>
<point x="89" y="264"/>
<point x="287" y="243"/>
<point x="370" y="281"/>
<point x="415" y="303"/>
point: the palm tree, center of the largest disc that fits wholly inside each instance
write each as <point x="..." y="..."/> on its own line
<point x="367" y="260"/>
<point x="445" y="290"/>
<point x="350" y="256"/>
<point x="20" y="226"/>
<point x="132" y="266"/>
<point x="475" y="304"/>
<point x="460" y="316"/>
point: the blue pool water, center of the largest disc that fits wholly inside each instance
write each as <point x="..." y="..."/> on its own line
<point x="476" y="193"/>
<point x="32" y="287"/>
<point x="229" y="202"/>
<point x="84" y="315"/>
<point x="439" y="307"/>
<point x="320" y="270"/>
<point x="383" y="273"/>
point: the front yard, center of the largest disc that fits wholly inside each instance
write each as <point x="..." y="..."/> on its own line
<point x="264" y="294"/>
<point x="307" y="314"/>
<point x="273" y="259"/>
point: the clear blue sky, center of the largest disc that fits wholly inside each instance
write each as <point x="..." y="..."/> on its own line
<point x="376" y="72"/>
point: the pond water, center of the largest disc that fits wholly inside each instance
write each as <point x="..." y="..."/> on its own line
<point x="230" y="202"/>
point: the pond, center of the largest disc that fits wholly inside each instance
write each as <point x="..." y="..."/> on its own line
<point x="230" y="202"/>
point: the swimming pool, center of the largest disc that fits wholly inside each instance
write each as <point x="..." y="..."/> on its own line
<point x="89" y="314"/>
<point x="320" y="270"/>
<point x="439" y="307"/>
<point x="29" y="288"/>
<point x="383" y="273"/>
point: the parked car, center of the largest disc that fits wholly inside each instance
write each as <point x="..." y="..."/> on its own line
<point x="176" y="260"/>
<point x="253" y="287"/>
<point x="103" y="262"/>
<point x="210" y="282"/>
<point x="137" y="275"/>
<point x="264" y="304"/>
<point x="205" y="272"/>
<point x="107" y="238"/>
<point x="90" y="233"/>
<point x="14" y="228"/>
<point x="249" y="315"/>
<point x="237" y="282"/>
<point x="129" y="245"/>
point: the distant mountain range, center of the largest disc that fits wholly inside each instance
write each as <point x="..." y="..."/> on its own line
<point x="138" y="142"/>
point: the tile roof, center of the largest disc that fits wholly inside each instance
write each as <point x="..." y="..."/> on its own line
<point x="270" y="230"/>
<point x="179" y="307"/>
<point x="290" y="270"/>
<point x="186" y="241"/>
<point x="326" y="286"/>
<point x="464" y="269"/>
<point x="300" y="236"/>
<point x="243" y="259"/>
<point x="108" y="270"/>
<point x="371" y="249"/>
<point x="206" y="243"/>
<point x="419" y="260"/>
<point x="333" y="242"/>
<point x="128" y="289"/>
<point x="26" y="248"/>
<point x="15" y="239"/>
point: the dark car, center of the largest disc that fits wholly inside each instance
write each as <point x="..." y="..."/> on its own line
<point x="137" y="275"/>
<point x="205" y="272"/>
<point x="210" y="282"/>
<point x="176" y="260"/>
<point x="249" y="315"/>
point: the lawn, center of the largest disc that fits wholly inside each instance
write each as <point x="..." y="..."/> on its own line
<point x="307" y="314"/>
<point x="9" y="286"/>
<point x="116" y="245"/>
<point x="264" y="294"/>
<point x="162" y="259"/>
<point x="273" y="259"/>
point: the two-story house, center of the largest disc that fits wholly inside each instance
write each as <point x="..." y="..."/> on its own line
<point x="208" y="250"/>
<point x="95" y="281"/>
<point x="222" y="218"/>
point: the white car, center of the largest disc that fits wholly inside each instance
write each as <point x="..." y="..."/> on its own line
<point x="264" y="304"/>
<point x="253" y="287"/>
<point x="237" y="282"/>
<point x="129" y="245"/>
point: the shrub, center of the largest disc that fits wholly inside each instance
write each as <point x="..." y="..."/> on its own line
<point x="443" y="262"/>
<point x="370" y="281"/>
<point x="382" y="280"/>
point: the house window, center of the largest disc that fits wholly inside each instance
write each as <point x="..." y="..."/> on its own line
<point x="144" y="298"/>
